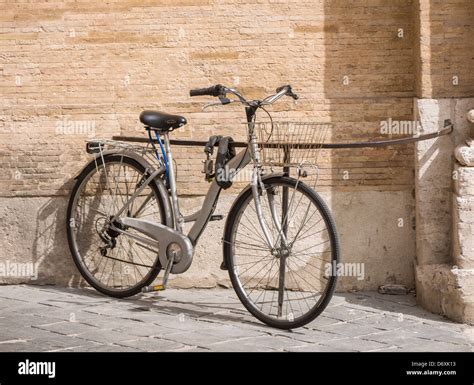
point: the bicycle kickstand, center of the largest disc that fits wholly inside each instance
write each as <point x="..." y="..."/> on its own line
<point x="169" y="265"/>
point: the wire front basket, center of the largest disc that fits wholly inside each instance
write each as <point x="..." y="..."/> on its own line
<point x="287" y="144"/>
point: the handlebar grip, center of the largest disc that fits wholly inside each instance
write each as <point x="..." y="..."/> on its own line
<point x="289" y="91"/>
<point x="211" y="91"/>
<point x="281" y="88"/>
<point x="201" y="91"/>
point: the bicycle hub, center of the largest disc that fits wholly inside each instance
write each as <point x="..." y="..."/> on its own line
<point x="174" y="250"/>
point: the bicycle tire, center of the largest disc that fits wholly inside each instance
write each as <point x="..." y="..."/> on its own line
<point x="85" y="273"/>
<point x="234" y="217"/>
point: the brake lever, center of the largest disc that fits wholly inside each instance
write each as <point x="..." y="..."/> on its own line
<point x="227" y="101"/>
<point x="293" y="95"/>
<point x="211" y="104"/>
<point x="224" y="100"/>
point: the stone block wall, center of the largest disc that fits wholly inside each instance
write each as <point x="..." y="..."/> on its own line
<point x="463" y="218"/>
<point x="70" y="71"/>
<point x="445" y="89"/>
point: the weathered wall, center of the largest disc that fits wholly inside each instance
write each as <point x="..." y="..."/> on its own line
<point x="96" y="66"/>
<point x="445" y="89"/>
<point x="443" y="269"/>
<point x="72" y="70"/>
<point x="444" y="45"/>
<point x="38" y="225"/>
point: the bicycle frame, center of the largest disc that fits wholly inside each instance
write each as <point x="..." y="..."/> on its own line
<point x="202" y="216"/>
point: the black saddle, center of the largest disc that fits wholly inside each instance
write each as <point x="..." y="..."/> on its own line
<point x="161" y="120"/>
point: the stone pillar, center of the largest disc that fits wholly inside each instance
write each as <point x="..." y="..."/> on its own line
<point x="433" y="168"/>
<point x="463" y="231"/>
<point x="443" y="188"/>
<point x="445" y="283"/>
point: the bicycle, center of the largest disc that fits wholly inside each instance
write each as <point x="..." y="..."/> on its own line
<point x="125" y="226"/>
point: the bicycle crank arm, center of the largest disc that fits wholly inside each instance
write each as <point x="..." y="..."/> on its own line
<point x="171" y="243"/>
<point x="149" y="289"/>
<point x="161" y="287"/>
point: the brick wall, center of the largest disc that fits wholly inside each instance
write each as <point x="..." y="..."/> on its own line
<point x="70" y="70"/>
<point x="95" y="66"/>
<point x="445" y="53"/>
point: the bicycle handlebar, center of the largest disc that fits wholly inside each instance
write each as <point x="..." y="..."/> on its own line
<point x="289" y="91"/>
<point x="211" y="91"/>
<point x="221" y="91"/>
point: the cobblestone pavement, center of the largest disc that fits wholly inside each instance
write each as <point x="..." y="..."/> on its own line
<point x="47" y="318"/>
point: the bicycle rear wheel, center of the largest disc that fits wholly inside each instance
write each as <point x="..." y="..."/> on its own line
<point x="289" y="284"/>
<point x="113" y="263"/>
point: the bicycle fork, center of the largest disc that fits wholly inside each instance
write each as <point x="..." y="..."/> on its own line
<point x="258" y="188"/>
<point x="280" y="247"/>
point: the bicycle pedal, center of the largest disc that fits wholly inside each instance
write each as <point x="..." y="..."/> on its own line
<point x="149" y="289"/>
<point x="217" y="217"/>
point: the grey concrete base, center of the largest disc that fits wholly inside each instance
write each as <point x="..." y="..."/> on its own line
<point x="375" y="229"/>
<point x="445" y="290"/>
<point x="34" y="237"/>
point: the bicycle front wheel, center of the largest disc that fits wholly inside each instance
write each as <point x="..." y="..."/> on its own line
<point x="290" y="282"/>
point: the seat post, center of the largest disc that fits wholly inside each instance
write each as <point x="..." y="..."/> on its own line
<point x="178" y="223"/>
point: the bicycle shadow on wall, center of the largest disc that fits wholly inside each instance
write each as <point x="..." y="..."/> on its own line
<point x="50" y="251"/>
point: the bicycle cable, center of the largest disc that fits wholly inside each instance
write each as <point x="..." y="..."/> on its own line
<point x="271" y="124"/>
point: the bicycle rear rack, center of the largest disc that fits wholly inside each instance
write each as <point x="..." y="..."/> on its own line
<point x="98" y="146"/>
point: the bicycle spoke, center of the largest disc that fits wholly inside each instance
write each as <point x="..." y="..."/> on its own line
<point x="266" y="286"/>
<point x="261" y="279"/>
